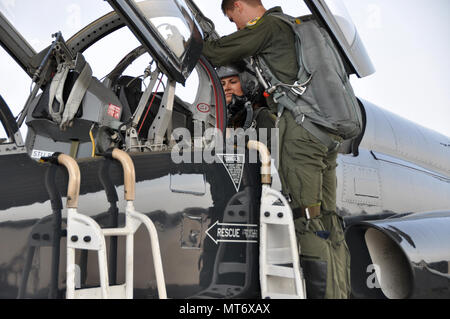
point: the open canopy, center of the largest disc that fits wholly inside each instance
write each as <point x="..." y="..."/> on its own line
<point x="167" y="29"/>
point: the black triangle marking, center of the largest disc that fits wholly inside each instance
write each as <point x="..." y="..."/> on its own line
<point x="234" y="164"/>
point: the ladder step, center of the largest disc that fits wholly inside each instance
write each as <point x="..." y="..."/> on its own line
<point x="116" y="232"/>
<point x="274" y="221"/>
<point x="280" y="296"/>
<point x="280" y="274"/>
<point x="114" y="292"/>
<point x="280" y="271"/>
<point x="218" y="291"/>
<point x="282" y="255"/>
<point x="225" y="268"/>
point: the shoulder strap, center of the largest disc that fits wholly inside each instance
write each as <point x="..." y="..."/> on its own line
<point x="56" y="93"/>
<point x="293" y="23"/>
<point x="65" y="113"/>
<point x="257" y="112"/>
<point x="285" y="17"/>
<point x="76" y="96"/>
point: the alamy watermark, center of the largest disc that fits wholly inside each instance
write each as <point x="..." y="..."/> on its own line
<point x="373" y="280"/>
<point x="204" y="145"/>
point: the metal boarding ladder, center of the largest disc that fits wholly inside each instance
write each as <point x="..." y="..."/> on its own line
<point x="280" y="273"/>
<point x="85" y="234"/>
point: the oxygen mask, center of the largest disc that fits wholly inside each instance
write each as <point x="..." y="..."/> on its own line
<point x="237" y="104"/>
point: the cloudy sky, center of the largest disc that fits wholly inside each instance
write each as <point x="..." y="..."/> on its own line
<point x="407" y="40"/>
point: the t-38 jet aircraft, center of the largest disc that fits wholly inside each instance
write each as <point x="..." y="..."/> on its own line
<point x="93" y="204"/>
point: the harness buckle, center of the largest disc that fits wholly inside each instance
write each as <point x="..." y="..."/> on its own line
<point x="297" y="89"/>
<point x="276" y="98"/>
<point x="300" y="88"/>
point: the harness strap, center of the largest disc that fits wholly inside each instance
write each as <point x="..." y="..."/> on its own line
<point x="65" y="113"/>
<point x="255" y="117"/>
<point x="257" y="112"/>
<point x="249" y="118"/>
<point x="56" y="92"/>
<point x="76" y="96"/>
<point x="300" y="118"/>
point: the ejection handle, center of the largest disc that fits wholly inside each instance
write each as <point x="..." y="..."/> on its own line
<point x="266" y="176"/>
<point x="73" y="190"/>
<point x="129" y="174"/>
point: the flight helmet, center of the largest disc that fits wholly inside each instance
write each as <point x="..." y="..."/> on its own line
<point x="249" y="83"/>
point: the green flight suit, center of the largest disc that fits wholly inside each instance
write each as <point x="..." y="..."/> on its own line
<point x="308" y="174"/>
<point x="269" y="37"/>
<point x="307" y="170"/>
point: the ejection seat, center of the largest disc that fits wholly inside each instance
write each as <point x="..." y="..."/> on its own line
<point x="88" y="105"/>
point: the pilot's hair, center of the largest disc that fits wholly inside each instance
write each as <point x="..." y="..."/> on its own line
<point x="229" y="4"/>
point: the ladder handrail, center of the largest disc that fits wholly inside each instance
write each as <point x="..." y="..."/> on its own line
<point x="73" y="189"/>
<point x="266" y="174"/>
<point x="268" y="197"/>
<point x="294" y="248"/>
<point x="156" y="251"/>
<point x="129" y="173"/>
<point x="74" y="216"/>
<point x="94" y="235"/>
<point x="129" y="190"/>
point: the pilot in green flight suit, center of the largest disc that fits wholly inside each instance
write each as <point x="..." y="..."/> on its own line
<point x="307" y="168"/>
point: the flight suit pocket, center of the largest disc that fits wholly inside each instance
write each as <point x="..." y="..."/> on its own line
<point x="332" y="223"/>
